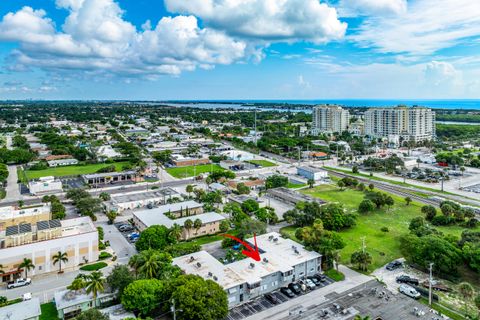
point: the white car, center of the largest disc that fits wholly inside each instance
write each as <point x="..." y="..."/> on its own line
<point x="409" y="291"/>
<point x="308" y="283"/>
<point x="20" y="282"/>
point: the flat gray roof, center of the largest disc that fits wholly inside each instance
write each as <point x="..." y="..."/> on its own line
<point x="68" y="298"/>
<point x="281" y="256"/>
<point x="310" y="169"/>
<point x="22" y="310"/>
<point x="150" y="218"/>
<point x="174" y="207"/>
<point x="165" y="192"/>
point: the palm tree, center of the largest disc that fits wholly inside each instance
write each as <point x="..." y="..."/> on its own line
<point x="95" y="284"/>
<point x="466" y="291"/>
<point x="150" y="264"/>
<point x="176" y="232"/>
<point x="197" y="224"/>
<point x="188" y="224"/>
<point x="189" y="189"/>
<point x="135" y="262"/>
<point x="27" y="265"/>
<point x="78" y="283"/>
<point x="59" y="258"/>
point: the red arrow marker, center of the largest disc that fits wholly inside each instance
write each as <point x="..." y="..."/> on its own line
<point x="249" y="252"/>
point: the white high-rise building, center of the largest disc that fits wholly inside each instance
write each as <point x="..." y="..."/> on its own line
<point x="329" y="119"/>
<point x="416" y="124"/>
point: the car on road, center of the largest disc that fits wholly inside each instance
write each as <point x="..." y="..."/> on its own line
<point x="295" y="287"/>
<point x="20" y="282"/>
<point x="286" y="291"/>
<point x="394" y="265"/>
<point x="271" y="297"/>
<point x="409" y="291"/>
<point x="406" y="279"/>
<point x="308" y="283"/>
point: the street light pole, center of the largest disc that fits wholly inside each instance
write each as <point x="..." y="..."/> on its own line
<point x="430" y="286"/>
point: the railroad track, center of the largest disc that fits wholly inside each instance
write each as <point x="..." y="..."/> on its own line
<point x="395" y="189"/>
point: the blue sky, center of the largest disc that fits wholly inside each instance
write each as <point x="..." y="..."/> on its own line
<point x="239" y="49"/>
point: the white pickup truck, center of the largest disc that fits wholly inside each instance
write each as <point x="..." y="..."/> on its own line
<point x="20" y="282"/>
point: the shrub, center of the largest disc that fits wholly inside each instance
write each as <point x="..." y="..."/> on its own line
<point x="366" y="206"/>
<point x="104" y="255"/>
<point x="442" y="220"/>
<point x="384" y="229"/>
<point x="93" y="266"/>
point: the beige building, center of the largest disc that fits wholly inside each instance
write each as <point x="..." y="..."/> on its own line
<point x="416" y="124"/>
<point x="330" y="118"/>
<point x="13" y="215"/>
<point x="177" y="214"/>
<point x="41" y="240"/>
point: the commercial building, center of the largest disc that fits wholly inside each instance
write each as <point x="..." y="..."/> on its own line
<point x="62" y="162"/>
<point x="330" y="118"/>
<point x="109" y="177"/>
<point x="40" y="241"/>
<point x="45" y="185"/>
<point x="12" y="215"/>
<point x="415" y="124"/>
<point x="138" y="200"/>
<point x="181" y="161"/>
<point x="283" y="261"/>
<point x="25" y="310"/>
<point x="312" y="173"/>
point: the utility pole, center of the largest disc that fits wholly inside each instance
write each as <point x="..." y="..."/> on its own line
<point x="430" y="285"/>
<point x="174" y="311"/>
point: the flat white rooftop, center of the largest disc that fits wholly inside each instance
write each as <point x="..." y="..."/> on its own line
<point x="151" y="217"/>
<point x="279" y="255"/>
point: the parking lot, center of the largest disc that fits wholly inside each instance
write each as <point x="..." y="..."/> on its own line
<point x="260" y="304"/>
<point x="127" y="234"/>
<point x="72" y="183"/>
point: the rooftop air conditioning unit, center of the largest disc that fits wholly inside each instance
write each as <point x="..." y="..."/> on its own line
<point x="275" y="240"/>
<point x="215" y="278"/>
<point x="252" y="265"/>
<point x="296" y="251"/>
<point x="210" y="274"/>
<point x="199" y="264"/>
<point x="192" y="258"/>
<point x="265" y="260"/>
<point x="270" y="238"/>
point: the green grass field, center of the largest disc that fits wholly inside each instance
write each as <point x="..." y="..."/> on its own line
<point x="71" y="170"/>
<point x="383" y="246"/>
<point x="295" y="185"/>
<point x="262" y="163"/>
<point x="190" y="171"/>
<point x="49" y="312"/>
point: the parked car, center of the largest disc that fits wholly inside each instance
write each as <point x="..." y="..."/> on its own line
<point x="315" y="280"/>
<point x="394" y="265"/>
<point x="20" y="282"/>
<point x="409" y="291"/>
<point x="286" y="291"/>
<point x="321" y="277"/>
<point x="271" y="297"/>
<point x="295" y="287"/>
<point x="125" y="227"/>
<point x="134" y="235"/>
<point x="408" y="280"/>
<point x="308" y="283"/>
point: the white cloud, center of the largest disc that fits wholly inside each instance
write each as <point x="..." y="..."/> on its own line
<point x="372" y="7"/>
<point x="428" y="26"/>
<point x="267" y="20"/>
<point x="96" y="39"/>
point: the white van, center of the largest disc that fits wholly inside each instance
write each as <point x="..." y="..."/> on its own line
<point x="409" y="291"/>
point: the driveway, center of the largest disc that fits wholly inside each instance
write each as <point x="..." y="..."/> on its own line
<point x="13" y="188"/>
